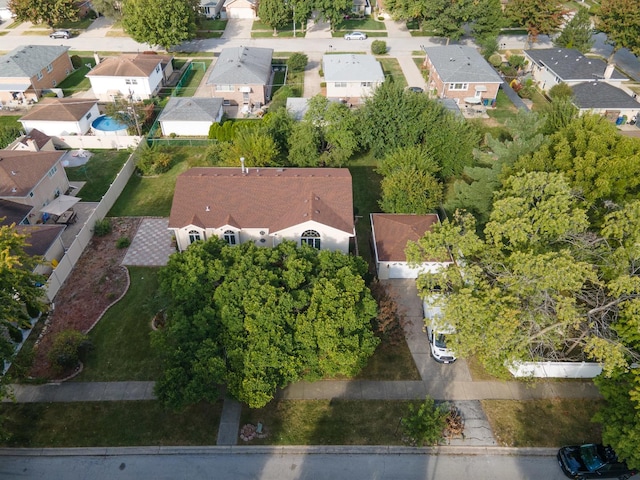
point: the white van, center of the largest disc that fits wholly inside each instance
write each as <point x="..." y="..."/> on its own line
<point x="437" y="330"/>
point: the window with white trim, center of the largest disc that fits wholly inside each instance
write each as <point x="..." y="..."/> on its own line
<point x="53" y="171"/>
<point x="50" y="68"/>
<point x="194" y="236"/>
<point x="458" y="86"/>
<point x="229" y="236"/>
<point x="130" y="81"/>
<point x="366" y="84"/>
<point x="39" y="75"/>
<point x="340" y="84"/>
<point x="311" y="238"/>
<point x="225" y="88"/>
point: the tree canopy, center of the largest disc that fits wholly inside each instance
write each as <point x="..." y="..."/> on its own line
<point x="51" y="12"/>
<point x="333" y="10"/>
<point x="274" y="13"/>
<point x="620" y="20"/>
<point x="537" y="16"/>
<point x="165" y="23"/>
<point x="577" y="33"/>
<point x="108" y="8"/>
<point x="257" y="319"/>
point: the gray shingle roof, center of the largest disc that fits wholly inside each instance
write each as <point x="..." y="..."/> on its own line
<point x="242" y="66"/>
<point x="570" y="65"/>
<point x="28" y="60"/>
<point x="601" y="95"/>
<point x="352" y="68"/>
<point x="459" y="63"/>
<point x="191" y="109"/>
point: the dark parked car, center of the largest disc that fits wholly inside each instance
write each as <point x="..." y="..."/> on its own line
<point x="592" y="461"/>
<point x="60" y="34"/>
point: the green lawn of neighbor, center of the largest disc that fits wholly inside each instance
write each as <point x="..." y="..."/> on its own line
<point x="98" y="172"/>
<point x="10" y="121"/>
<point x="77" y="80"/>
<point x="504" y="108"/>
<point x="364" y="24"/>
<point x="108" y="424"/>
<point x="212" y="24"/>
<point x="194" y="77"/>
<point x="122" y="348"/>
<point x="392" y="70"/>
<point x="390" y="362"/>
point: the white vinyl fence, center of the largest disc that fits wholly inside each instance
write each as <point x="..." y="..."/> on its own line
<point x="111" y="142"/>
<point x="556" y="369"/>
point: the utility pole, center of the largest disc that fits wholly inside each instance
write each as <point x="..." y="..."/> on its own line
<point x="132" y="112"/>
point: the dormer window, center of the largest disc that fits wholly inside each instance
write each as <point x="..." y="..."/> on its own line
<point x="229" y="236"/>
<point x="194" y="236"/>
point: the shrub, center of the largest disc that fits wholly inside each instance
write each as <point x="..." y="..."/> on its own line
<point x="102" y="227"/>
<point x="14" y="333"/>
<point x="488" y="46"/>
<point x="495" y="60"/>
<point x="560" y="90"/>
<point x="297" y="62"/>
<point x="425" y="425"/>
<point x="280" y="97"/>
<point x="153" y="160"/>
<point x="76" y="61"/>
<point x="69" y="348"/>
<point x="517" y="61"/>
<point x="378" y="47"/>
<point x="123" y="242"/>
<point x="528" y="89"/>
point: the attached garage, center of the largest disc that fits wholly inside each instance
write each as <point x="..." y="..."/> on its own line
<point x="241" y="8"/>
<point x="391" y="232"/>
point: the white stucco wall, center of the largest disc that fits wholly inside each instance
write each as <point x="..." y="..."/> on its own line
<point x="104" y="87"/>
<point x="57" y="128"/>
<point x="185" y="128"/>
<point x="352" y="89"/>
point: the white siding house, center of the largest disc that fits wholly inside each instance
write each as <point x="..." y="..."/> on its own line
<point x="351" y="77"/>
<point x="190" y="116"/>
<point x="62" y="116"/>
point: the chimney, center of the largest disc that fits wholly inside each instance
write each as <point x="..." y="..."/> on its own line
<point x="96" y="57"/>
<point x="609" y="70"/>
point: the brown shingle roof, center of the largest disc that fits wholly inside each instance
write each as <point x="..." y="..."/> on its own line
<point x="60" y="109"/>
<point x="393" y="231"/>
<point x="136" y="65"/>
<point x="273" y="198"/>
<point x="37" y="136"/>
<point x="40" y="237"/>
<point x="20" y="171"/>
<point x="12" y="212"/>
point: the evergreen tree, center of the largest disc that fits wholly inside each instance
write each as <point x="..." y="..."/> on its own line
<point x="577" y="33"/>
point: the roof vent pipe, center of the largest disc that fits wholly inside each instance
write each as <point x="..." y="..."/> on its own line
<point x="242" y="165"/>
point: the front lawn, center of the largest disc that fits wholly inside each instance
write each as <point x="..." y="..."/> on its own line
<point x="392" y="70"/>
<point x="364" y="24"/>
<point x="212" y="24"/>
<point x="108" y="424"/>
<point x="81" y="24"/>
<point x="98" y="172"/>
<point x="328" y="422"/>
<point x="121" y="339"/>
<point x="543" y="423"/>
<point x="390" y="362"/>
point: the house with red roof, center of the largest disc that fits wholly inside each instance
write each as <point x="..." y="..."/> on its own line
<point x="61" y="116"/>
<point x="312" y="206"/>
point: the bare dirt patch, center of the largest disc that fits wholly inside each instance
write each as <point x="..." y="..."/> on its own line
<point x="97" y="280"/>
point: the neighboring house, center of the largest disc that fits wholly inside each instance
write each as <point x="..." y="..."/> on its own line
<point x="32" y="178"/>
<point x="211" y="8"/>
<point x="62" y="116"/>
<point x="34" y="141"/>
<point x="240" y="8"/>
<point x="12" y="212"/>
<point x="551" y="66"/>
<point x="190" y="116"/>
<point x="462" y="74"/>
<point x="361" y="7"/>
<point x="350" y="76"/>
<point x="26" y="71"/>
<point x="605" y="99"/>
<point x="5" y="13"/>
<point x="242" y="76"/>
<point x="135" y="76"/>
<point x="264" y="206"/>
<point x="391" y="232"/>
<point x="44" y="241"/>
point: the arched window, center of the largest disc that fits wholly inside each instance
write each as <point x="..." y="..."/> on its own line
<point x="229" y="236"/>
<point x="194" y="236"/>
<point x="311" y="238"/>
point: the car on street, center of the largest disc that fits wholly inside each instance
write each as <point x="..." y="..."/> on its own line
<point x="592" y="461"/>
<point x="355" y="36"/>
<point x="60" y="34"/>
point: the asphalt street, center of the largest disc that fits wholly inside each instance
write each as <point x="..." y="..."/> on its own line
<point x="287" y="463"/>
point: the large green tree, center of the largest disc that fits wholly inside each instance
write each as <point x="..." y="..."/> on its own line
<point x="577" y="33"/>
<point x="447" y="17"/>
<point x="108" y="8"/>
<point x="165" y="23"/>
<point x="488" y="19"/>
<point x="257" y="319"/>
<point x="620" y="20"/>
<point x="333" y="10"/>
<point x="537" y="16"/>
<point x="51" y="12"/>
<point x="274" y="13"/>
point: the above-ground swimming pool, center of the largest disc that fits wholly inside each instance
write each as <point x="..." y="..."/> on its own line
<point x="106" y="125"/>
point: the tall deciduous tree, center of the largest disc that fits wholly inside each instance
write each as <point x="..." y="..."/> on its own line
<point x="447" y="17"/>
<point x="51" y="12"/>
<point x="620" y="20"/>
<point x="577" y="33"/>
<point x="333" y="10"/>
<point x="108" y="8"/>
<point x="257" y="319"/>
<point x="301" y="10"/>
<point x="165" y="23"/>
<point x="274" y="13"/>
<point x="537" y="16"/>
<point x="488" y="19"/>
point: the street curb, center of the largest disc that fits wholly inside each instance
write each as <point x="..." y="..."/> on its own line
<point x="282" y="450"/>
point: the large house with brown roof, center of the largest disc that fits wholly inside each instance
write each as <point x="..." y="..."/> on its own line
<point x="32" y="178"/>
<point x="136" y="76"/>
<point x="311" y="206"/>
<point x="62" y="116"/>
<point x="28" y="70"/>
<point x="391" y="232"/>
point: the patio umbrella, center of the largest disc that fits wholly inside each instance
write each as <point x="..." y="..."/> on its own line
<point x="60" y="205"/>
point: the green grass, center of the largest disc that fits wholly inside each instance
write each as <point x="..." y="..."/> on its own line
<point x="278" y="81"/>
<point x="390" y="362"/>
<point x="152" y="196"/>
<point x="108" y="424"/>
<point x="366" y="193"/>
<point x="543" y="423"/>
<point x="328" y="422"/>
<point x="203" y="34"/>
<point x="539" y="101"/>
<point x="503" y="110"/>
<point x="98" y="172"/>
<point x="211" y="24"/>
<point x="392" y="70"/>
<point x="122" y="349"/>
<point x="81" y="24"/>
<point x="3" y="33"/>
<point x="10" y="121"/>
<point x="77" y="80"/>
<point x="258" y="25"/>
<point x="194" y="77"/>
<point x="281" y="34"/>
<point x="340" y="34"/>
<point x="365" y="24"/>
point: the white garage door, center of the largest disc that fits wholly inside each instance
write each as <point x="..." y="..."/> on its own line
<point x="239" y="12"/>
<point x="402" y="270"/>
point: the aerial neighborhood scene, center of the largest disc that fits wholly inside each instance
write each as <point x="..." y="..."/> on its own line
<point x="320" y="239"/>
